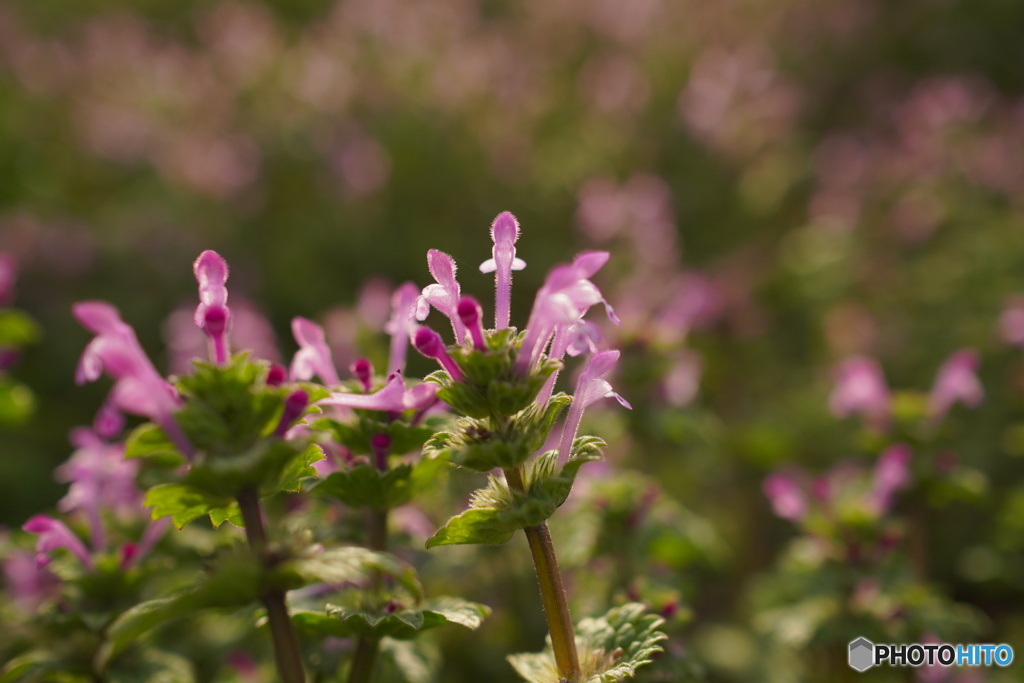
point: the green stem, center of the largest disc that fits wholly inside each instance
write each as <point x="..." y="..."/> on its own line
<point x="282" y="631"/>
<point x="364" y="660"/>
<point x="552" y="592"/>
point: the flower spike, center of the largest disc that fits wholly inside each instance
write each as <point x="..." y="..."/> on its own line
<point x="590" y="388"/>
<point x="444" y="295"/>
<point x="212" y="314"/>
<point x="504" y="233"/>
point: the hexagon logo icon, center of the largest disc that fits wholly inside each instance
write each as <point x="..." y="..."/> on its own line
<point x="862" y="654"/>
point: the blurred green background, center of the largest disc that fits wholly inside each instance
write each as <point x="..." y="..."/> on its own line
<point x="844" y="176"/>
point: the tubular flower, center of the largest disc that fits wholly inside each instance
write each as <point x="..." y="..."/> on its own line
<point x="212" y="313"/>
<point x="313" y="356"/>
<point x="402" y="324"/>
<point x="138" y="387"/>
<point x="444" y="294"/>
<point x="504" y="233"/>
<point x="590" y="388"/>
<point x="394" y="397"/>
<point x="566" y="295"/>
<point x="892" y="473"/>
<point x="53" y="535"/>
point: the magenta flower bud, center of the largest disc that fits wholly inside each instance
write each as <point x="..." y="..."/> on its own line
<point x="429" y="343"/>
<point x="861" y="389"/>
<point x="504" y="233"/>
<point x="294" y="406"/>
<point x="444" y="295"/>
<point x="313" y="357"/>
<point x="956" y="382"/>
<point x="590" y="388"/>
<point x="276" y="375"/>
<point x="212" y="314"/>
<point x="470" y="313"/>
<point x="363" y="371"/>
<point x="381" y="444"/>
<point x="54" y="535"/>
<point x="401" y="324"/>
<point x="129" y="553"/>
<point x="786" y="496"/>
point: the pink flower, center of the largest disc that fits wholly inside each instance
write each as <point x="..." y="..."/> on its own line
<point x="393" y="398"/>
<point x="212" y="314"/>
<point x="28" y="585"/>
<point x="860" y="388"/>
<point x="54" y="535"/>
<point x="786" y="496"/>
<point x="892" y="473"/>
<point x="402" y="324"/>
<point x="313" y="357"/>
<point x="1011" y="322"/>
<point x="101" y="479"/>
<point x="504" y="233"/>
<point x="566" y="295"/>
<point x="590" y="388"/>
<point x="444" y="294"/>
<point x="956" y="382"/>
<point x="138" y="387"/>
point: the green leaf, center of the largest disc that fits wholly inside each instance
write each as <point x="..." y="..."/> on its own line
<point x="17" y="328"/>
<point x="366" y="486"/>
<point x="29" y="666"/>
<point x="152" y="666"/>
<point x="401" y="624"/>
<point x="235" y="580"/>
<point x="496" y="513"/>
<point x="449" y="610"/>
<point x="355" y="565"/>
<point x="184" y="503"/>
<point x="149" y="441"/>
<point x="611" y="648"/>
<point x="483" y="526"/>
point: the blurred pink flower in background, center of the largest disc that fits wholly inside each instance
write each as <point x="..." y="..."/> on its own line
<point x="956" y="382"/>
<point x="860" y="389"/>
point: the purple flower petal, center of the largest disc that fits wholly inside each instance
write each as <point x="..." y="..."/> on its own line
<point x="54" y="535"/>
